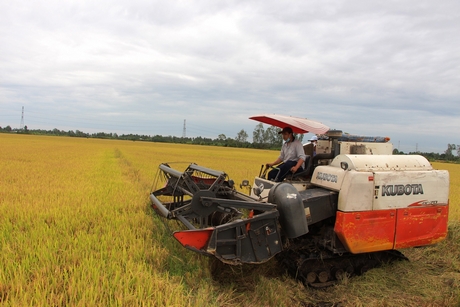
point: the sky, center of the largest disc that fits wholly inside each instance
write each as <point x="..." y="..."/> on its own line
<point x="374" y="68"/>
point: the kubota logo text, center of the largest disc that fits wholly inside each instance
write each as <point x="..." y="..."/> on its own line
<point x="326" y="177"/>
<point x="401" y="189"/>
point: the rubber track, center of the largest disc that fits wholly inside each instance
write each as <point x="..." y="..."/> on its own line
<point x="317" y="267"/>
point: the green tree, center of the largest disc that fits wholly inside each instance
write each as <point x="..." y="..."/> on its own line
<point x="241" y="137"/>
<point x="300" y="137"/>
<point x="258" y="135"/>
<point x="272" y="137"/>
<point x="448" y="152"/>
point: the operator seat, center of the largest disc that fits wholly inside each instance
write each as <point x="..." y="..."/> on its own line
<point x="308" y="164"/>
<point x="306" y="173"/>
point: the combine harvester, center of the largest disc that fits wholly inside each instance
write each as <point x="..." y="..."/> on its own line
<point x="350" y="210"/>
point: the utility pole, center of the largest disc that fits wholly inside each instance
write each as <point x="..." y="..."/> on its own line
<point x="21" y="127"/>
<point x="183" y="131"/>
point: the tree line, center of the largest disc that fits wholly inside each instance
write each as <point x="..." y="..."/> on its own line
<point x="262" y="138"/>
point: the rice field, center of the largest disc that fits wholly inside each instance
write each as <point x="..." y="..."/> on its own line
<point x="76" y="230"/>
<point x="454" y="193"/>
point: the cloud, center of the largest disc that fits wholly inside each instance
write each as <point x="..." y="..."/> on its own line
<point x="388" y="68"/>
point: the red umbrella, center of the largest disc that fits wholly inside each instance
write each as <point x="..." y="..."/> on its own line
<point x="298" y="124"/>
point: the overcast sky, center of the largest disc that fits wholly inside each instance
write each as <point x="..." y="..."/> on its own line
<point x="387" y="68"/>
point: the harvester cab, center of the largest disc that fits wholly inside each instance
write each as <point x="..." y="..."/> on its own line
<point x="329" y="145"/>
<point x="352" y="208"/>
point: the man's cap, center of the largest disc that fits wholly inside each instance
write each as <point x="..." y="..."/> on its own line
<point x="313" y="138"/>
<point x="286" y="129"/>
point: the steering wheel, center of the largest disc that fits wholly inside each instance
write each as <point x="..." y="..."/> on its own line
<point x="265" y="170"/>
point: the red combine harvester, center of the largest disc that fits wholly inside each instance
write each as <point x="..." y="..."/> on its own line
<point x="351" y="209"/>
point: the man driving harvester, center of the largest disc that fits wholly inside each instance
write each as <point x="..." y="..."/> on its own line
<point x="292" y="157"/>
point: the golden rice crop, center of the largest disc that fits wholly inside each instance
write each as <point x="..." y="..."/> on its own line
<point x="454" y="192"/>
<point x="76" y="229"/>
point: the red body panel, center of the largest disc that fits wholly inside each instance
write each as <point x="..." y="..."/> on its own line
<point x="366" y="231"/>
<point x="197" y="238"/>
<point x="370" y="231"/>
<point x="421" y="226"/>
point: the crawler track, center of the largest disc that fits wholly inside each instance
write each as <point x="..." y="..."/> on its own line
<point x="318" y="267"/>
